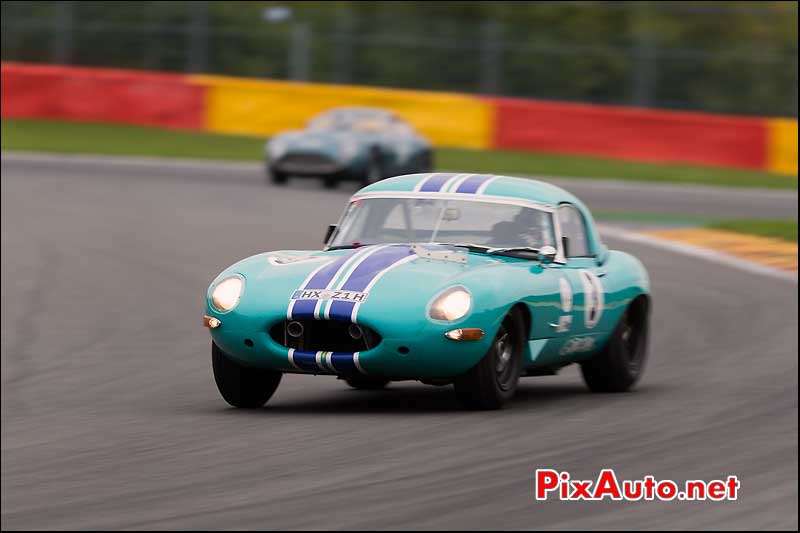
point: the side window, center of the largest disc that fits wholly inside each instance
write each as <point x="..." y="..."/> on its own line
<point x="574" y="229"/>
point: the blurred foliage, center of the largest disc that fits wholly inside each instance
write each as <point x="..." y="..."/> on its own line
<point x="738" y="57"/>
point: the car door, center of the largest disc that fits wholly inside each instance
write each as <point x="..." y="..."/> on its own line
<point x="584" y="275"/>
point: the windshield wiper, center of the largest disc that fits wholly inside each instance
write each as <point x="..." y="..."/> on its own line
<point x="512" y="249"/>
<point x="470" y="246"/>
<point x="346" y="246"/>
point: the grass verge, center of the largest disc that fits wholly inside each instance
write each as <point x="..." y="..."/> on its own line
<point x="115" y="139"/>
<point x="780" y="229"/>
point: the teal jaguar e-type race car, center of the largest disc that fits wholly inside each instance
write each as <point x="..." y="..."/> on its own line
<point x="348" y="143"/>
<point x="469" y="279"/>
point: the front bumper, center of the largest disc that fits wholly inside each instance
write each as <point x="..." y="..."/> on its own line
<point x="308" y="164"/>
<point x="425" y="354"/>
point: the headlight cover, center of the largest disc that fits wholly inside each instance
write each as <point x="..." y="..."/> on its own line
<point x="226" y="293"/>
<point x="276" y="148"/>
<point x="452" y="304"/>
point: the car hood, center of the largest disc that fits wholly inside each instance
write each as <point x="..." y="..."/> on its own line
<point x="357" y="284"/>
<point x="332" y="143"/>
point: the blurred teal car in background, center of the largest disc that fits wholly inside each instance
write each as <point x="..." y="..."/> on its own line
<point x="348" y="143"/>
<point x="466" y="279"/>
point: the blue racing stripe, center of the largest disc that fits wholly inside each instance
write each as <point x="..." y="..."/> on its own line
<point x="435" y="182"/>
<point x="471" y="184"/>
<point x="304" y="308"/>
<point x="374" y="265"/>
<point x="320" y="280"/>
<point x="341" y="310"/>
<point x="306" y="361"/>
<point x="364" y="274"/>
<point x="344" y="362"/>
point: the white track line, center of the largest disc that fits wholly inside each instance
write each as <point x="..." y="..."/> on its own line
<point x="697" y="251"/>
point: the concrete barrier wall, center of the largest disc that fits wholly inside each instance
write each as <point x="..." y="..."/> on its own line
<point x="264" y="107"/>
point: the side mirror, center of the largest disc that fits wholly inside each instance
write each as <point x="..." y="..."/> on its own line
<point x="329" y="233"/>
<point x="547" y="254"/>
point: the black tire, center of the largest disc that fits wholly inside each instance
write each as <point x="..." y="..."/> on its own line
<point x="621" y="363"/>
<point x="330" y="183"/>
<point x="493" y="381"/>
<point x="241" y="386"/>
<point x="278" y="178"/>
<point x="374" y="172"/>
<point x="366" y="383"/>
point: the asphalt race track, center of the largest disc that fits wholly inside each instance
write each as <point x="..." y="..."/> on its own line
<point x="110" y="416"/>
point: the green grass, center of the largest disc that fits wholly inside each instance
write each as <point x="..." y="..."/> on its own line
<point x="113" y="139"/>
<point x="508" y="162"/>
<point x="779" y="229"/>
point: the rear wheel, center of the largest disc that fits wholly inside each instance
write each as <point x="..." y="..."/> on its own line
<point x="493" y="381"/>
<point x="242" y="386"/>
<point x="366" y="383"/>
<point x="374" y="171"/>
<point x="621" y="363"/>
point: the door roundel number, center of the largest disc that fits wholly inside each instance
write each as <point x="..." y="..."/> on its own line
<point x="593" y="297"/>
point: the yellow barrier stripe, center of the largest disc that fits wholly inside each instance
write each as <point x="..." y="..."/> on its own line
<point x="782" y="146"/>
<point x="764" y="250"/>
<point x="265" y="107"/>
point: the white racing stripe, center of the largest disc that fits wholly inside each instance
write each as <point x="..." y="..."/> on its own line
<point x="291" y="358"/>
<point x="354" y="260"/>
<point x="485" y="184"/>
<point x="305" y="282"/>
<point x="329" y="361"/>
<point x="453" y="183"/>
<point x="338" y="280"/>
<point x="358" y="363"/>
<point x="422" y="182"/>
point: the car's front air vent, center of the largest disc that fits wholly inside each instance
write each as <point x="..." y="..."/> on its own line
<point x="324" y="335"/>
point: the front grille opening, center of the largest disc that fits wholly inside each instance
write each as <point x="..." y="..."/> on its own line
<point x="324" y="335"/>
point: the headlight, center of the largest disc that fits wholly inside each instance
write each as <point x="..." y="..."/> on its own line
<point x="276" y="148"/>
<point x="452" y="304"/>
<point x="225" y="295"/>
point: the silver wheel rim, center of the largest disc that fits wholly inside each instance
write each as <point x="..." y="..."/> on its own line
<point x="504" y="359"/>
<point x="630" y="342"/>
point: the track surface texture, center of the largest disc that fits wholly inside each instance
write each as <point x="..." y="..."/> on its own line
<point x="110" y="416"/>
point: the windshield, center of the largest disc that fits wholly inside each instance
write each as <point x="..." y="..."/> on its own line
<point x="423" y="220"/>
<point x="356" y="121"/>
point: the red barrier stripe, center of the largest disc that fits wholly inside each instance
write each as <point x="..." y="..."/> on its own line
<point x="103" y="95"/>
<point x="628" y="133"/>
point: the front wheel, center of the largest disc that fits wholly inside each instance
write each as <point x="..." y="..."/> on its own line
<point x="276" y="177"/>
<point x="242" y="386"/>
<point x="493" y="381"/>
<point x="621" y="363"/>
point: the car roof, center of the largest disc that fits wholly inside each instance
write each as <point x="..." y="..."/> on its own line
<point x="492" y="185"/>
<point x="358" y="111"/>
<point x="527" y="189"/>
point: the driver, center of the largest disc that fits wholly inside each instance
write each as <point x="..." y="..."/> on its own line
<point x="529" y="227"/>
